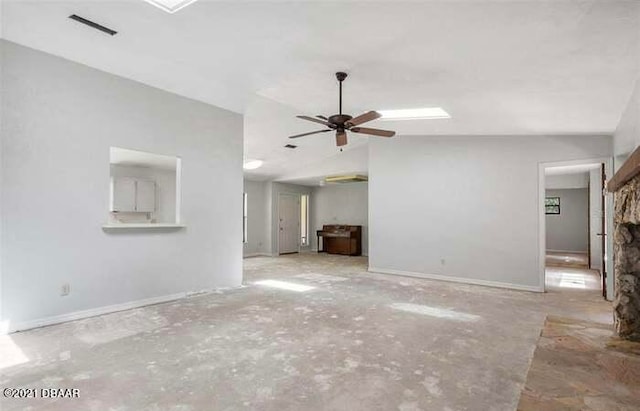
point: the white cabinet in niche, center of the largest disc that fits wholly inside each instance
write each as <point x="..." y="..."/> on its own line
<point x="123" y="194"/>
<point x="133" y="195"/>
<point x="144" y="190"/>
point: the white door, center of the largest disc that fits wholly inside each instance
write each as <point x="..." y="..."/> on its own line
<point x="289" y="223"/>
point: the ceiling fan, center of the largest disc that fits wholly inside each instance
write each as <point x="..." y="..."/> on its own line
<point x="342" y="123"/>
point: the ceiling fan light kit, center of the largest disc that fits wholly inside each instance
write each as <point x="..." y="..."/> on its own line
<point x="341" y="123"/>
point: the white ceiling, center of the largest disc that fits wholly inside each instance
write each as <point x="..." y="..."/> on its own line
<point x="498" y="67"/>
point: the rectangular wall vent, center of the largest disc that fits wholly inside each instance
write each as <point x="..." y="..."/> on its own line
<point x="94" y="25"/>
<point x="352" y="178"/>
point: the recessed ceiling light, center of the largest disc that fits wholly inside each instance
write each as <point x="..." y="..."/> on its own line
<point x="170" y="6"/>
<point x="252" y="164"/>
<point x="414" y="114"/>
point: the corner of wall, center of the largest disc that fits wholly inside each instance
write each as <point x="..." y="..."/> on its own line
<point x="626" y="137"/>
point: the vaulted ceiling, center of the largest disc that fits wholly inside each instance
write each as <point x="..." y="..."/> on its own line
<point x="498" y="67"/>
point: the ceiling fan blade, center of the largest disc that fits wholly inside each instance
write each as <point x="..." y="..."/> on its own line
<point x="341" y="138"/>
<point x="308" y="134"/>
<point x="322" y="117"/>
<point x="373" y="131"/>
<point x="315" y="120"/>
<point x="363" y="118"/>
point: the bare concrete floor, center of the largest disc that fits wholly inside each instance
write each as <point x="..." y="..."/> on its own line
<point x="325" y="335"/>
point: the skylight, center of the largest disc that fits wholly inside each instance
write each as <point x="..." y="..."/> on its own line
<point x="414" y="114"/>
<point x="170" y="6"/>
<point x="252" y="164"/>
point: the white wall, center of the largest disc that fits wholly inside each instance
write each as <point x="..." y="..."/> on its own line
<point x="627" y="135"/>
<point x="257" y="228"/>
<point x="569" y="230"/>
<point x="576" y="180"/>
<point x="464" y="207"/>
<point x="59" y="120"/>
<point x="165" y="188"/>
<point x="341" y="204"/>
<point x="3" y="325"/>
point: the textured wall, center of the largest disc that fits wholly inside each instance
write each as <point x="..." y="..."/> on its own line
<point x="627" y="260"/>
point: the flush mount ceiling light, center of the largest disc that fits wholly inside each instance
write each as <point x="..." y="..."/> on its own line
<point x="170" y="6"/>
<point x="414" y="114"/>
<point x="252" y="164"/>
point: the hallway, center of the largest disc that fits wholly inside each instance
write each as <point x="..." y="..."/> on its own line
<point x="569" y="271"/>
<point x="567" y="259"/>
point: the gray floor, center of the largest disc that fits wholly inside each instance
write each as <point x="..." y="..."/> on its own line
<point x="355" y="341"/>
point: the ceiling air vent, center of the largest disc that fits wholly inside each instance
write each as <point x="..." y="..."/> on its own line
<point x="94" y="25"/>
<point x="291" y="146"/>
<point x="352" y="178"/>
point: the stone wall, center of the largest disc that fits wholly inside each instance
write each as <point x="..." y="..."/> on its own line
<point x="627" y="260"/>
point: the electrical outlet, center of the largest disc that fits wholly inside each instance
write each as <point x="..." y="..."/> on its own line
<point x="65" y="289"/>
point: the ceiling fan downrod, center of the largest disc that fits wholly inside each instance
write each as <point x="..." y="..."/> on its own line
<point x="340" y="76"/>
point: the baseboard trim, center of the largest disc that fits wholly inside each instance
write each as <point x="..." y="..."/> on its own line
<point x="256" y="255"/>
<point x="463" y="280"/>
<point x="92" y="312"/>
<point x="567" y="251"/>
<point x="316" y="251"/>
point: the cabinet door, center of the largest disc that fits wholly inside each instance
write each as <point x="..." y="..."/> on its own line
<point x="124" y="195"/>
<point x="145" y="196"/>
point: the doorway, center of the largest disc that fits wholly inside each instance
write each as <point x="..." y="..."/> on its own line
<point x="288" y="223"/>
<point x="574" y="222"/>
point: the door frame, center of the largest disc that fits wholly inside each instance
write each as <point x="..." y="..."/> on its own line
<point x="297" y="195"/>
<point x="542" y="240"/>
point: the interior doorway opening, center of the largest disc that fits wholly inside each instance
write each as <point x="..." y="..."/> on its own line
<point x="575" y="221"/>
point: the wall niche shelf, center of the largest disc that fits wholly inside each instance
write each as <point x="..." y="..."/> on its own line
<point x="143" y="225"/>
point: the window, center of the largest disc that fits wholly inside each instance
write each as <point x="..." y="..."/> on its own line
<point x="304" y="219"/>
<point x="245" y="237"/>
<point x="552" y="205"/>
